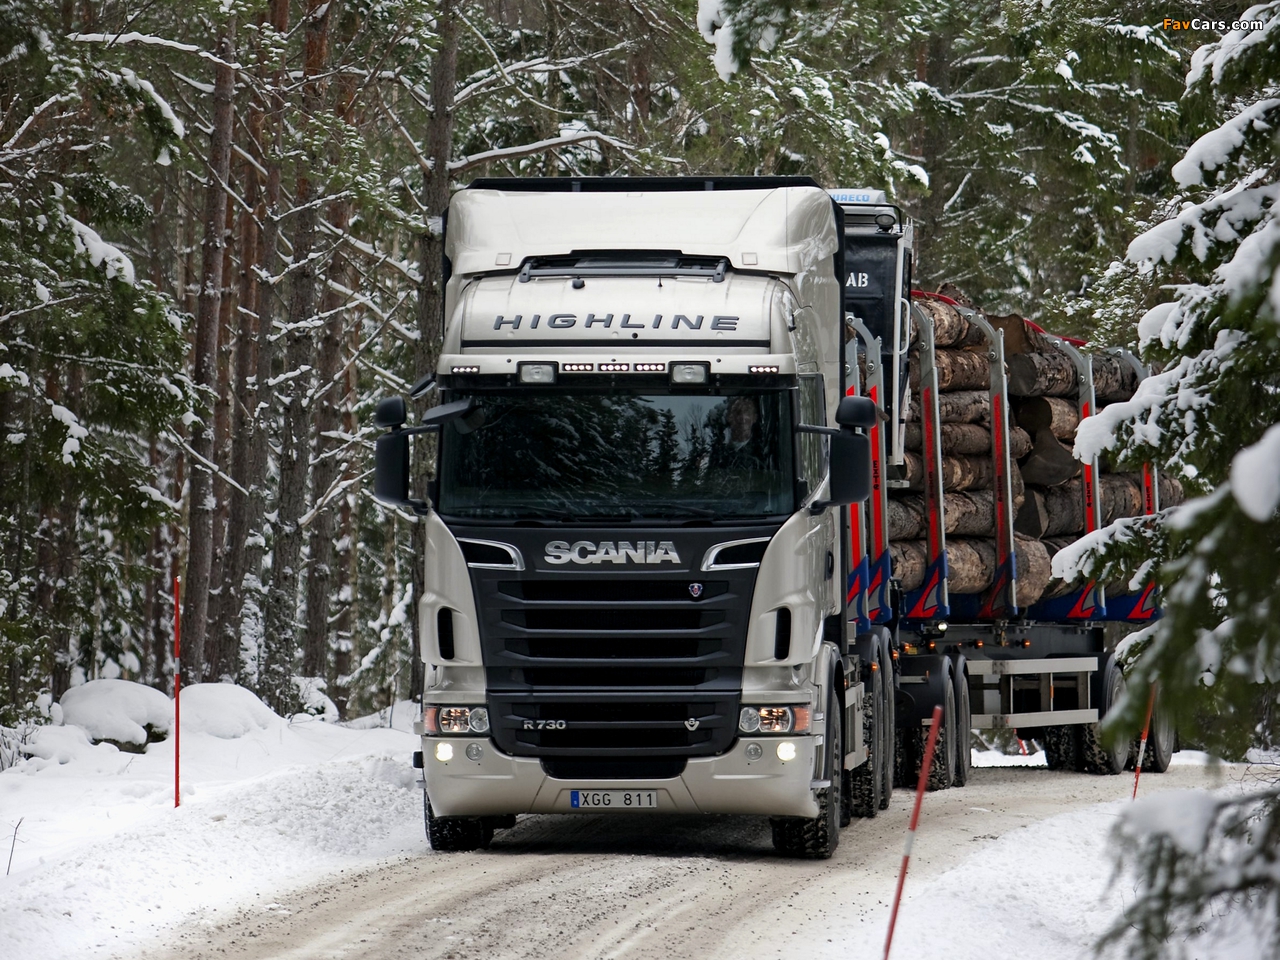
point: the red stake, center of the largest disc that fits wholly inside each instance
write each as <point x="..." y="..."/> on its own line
<point x="177" y="686"/>
<point x="1142" y="747"/>
<point x="915" y="819"/>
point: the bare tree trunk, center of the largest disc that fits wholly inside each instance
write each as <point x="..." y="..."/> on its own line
<point x="327" y="469"/>
<point x="243" y="413"/>
<point x="220" y="661"/>
<point x="274" y="665"/>
<point x="426" y="350"/>
<point x="200" y="539"/>
<point x="282" y="597"/>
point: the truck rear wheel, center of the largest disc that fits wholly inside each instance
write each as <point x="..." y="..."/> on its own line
<point x="816" y="838"/>
<point x="1095" y="755"/>
<point x="888" y="731"/>
<point x="964" y="720"/>
<point x="863" y="785"/>
<point x="1161" y="742"/>
<point x="942" y="770"/>
<point x="1062" y="747"/>
<point x="456" y="834"/>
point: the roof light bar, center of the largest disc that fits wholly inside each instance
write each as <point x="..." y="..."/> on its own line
<point x="615" y="367"/>
<point x="764" y="368"/>
<point x="577" y="367"/>
<point x="465" y="369"/>
<point x="651" y="368"/>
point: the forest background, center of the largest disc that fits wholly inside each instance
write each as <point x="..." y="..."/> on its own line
<point x="220" y="247"/>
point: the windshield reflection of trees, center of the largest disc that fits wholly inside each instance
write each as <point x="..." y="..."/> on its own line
<point x="622" y="454"/>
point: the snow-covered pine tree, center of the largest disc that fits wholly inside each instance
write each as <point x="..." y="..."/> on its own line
<point x="90" y="360"/>
<point x="1213" y="414"/>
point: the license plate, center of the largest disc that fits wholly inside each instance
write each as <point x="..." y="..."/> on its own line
<point x="613" y="799"/>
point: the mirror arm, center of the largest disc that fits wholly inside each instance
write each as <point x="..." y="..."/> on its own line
<point x="825" y="431"/>
<point x="411" y="431"/>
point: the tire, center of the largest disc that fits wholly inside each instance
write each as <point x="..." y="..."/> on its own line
<point x="888" y="730"/>
<point x="1096" y="756"/>
<point x="1161" y="740"/>
<point x="904" y="760"/>
<point x="1062" y="747"/>
<point x="863" y="785"/>
<point x="816" y="838"/>
<point x="942" y="769"/>
<point x="456" y="834"/>
<point x="964" y="722"/>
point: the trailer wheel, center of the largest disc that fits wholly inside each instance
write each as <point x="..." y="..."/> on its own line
<point x="964" y="721"/>
<point x="456" y="834"/>
<point x="942" y="770"/>
<point x="1160" y="740"/>
<point x="816" y="838"/>
<point x="1062" y="747"/>
<point x="864" y="784"/>
<point x="1096" y="756"/>
<point x="888" y="731"/>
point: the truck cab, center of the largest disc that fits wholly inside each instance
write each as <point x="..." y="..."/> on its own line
<point x="637" y="535"/>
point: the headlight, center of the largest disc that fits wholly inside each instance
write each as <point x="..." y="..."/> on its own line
<point x="774" y="720"/>
<point x="455" y="721"/>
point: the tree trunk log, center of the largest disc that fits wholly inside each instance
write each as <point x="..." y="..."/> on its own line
<point x="1034" y="569"/>
<point x="1042" y="374"/>
<point x="958" y="473"/>
<point x="969" y="514"/>
<point x="971" y="565"/>
<point x="957" y="370"/>
<point x="1121" y="496"/>
<point x="1049" y="462"/>
<point x="909" y="560"/>
<point x="1113" y="379"/>
<point x="1060" y="417"/>
<point x="962" y="406"/>
<point x="950" y="328"/>
<point x="1019" y="337"/>
<point x="1032" y="519"/>
<point x="1171" y="492"/>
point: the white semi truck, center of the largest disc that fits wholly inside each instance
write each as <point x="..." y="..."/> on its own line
<point x="659" y="574"/>
<point x="636" y="536"/>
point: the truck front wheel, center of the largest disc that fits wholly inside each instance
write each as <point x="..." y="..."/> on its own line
<point x="455" y="834"/>
<point x="816" y="838"/>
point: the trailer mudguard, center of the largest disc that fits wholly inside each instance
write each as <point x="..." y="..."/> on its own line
<point x="921" y="687"/>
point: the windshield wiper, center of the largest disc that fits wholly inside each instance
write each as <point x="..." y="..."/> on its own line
<point x="682" y="509"/>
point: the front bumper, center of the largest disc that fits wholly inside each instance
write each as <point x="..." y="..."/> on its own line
<point x="498" y="784"/>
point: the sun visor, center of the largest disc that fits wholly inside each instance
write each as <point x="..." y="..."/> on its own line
<point x="501" y="311"/>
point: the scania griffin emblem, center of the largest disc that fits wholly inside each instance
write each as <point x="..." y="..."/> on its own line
<point x="691" y="724"/>
<point x="695" y="590"/>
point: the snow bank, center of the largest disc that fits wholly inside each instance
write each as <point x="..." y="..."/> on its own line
<point x="117" y="710"/>
<point x="224" y="711"/>
<point x="1255" y="476"/>
<point x="103" y="860"/>
<point x="1184" y="816"/>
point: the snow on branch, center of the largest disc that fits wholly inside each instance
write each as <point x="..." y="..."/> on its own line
<point x="540" y="146"/>
<point x="112" y="39"/>
<point x="1216" y="148"/>
<point x="101" y="253"/>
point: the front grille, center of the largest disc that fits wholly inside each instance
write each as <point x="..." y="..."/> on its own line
<point x="613" y="667"/>
<point x="609" y="768"/>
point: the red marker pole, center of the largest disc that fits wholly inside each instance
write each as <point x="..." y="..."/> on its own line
<point x="177" y="687"/>
<point x="1142" y="747"/>
<point x="915" y="819"/>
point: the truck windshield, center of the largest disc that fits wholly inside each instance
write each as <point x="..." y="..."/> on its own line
<point x="585" y="455"/>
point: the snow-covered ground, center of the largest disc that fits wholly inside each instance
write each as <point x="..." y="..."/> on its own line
<point x="103" y="864"/>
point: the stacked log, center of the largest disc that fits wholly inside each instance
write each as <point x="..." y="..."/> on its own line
<point x="1043" y="386"/>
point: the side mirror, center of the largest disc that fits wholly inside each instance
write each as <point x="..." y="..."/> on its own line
<point x="850" y="466"/>
<point x="391" y="467"/>
<point x="857" y="412"/>
<point x="390" y="413"/>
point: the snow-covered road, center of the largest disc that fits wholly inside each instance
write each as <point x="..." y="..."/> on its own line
<point x="305" y="839"/>
<point x="682" y="887"/>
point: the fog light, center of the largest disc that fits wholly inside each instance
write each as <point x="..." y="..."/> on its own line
<point x="786" y="751"/>
<point x="690" y="374"/>
<point x="749" y="720"/>
<point x="479" y="720"/>
<point x="474" y="751"/>
<point x="444" y="752"/>
<point x="537" y="373"/>
<point x="753" y="751"/>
